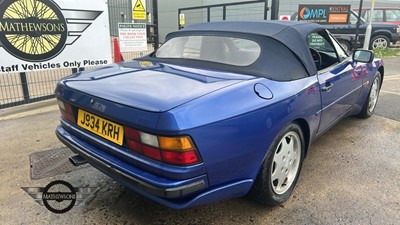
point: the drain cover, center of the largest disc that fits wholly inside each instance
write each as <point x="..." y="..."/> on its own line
<point x="52" y="162"/>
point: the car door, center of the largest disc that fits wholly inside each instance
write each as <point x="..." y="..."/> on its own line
<point x="339" y="86"/>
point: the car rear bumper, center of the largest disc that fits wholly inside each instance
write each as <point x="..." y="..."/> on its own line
<point x="171" y="193"/>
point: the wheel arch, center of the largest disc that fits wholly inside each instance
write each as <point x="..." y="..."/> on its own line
<point x="382" y="71"/>
<point x="305" y="128"/>
<point x="385" y="33"/>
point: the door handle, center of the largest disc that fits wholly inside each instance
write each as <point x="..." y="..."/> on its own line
<point x="327" y="87"/>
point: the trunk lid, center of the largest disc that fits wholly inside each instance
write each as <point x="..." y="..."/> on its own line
<point x="150" y="86"/>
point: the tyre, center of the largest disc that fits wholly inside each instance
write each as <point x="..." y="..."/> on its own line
<point x="380" y="42"/>
<point x="372" y="99"/>
<point x="280" y="170"/>
<point x="345" y="45"/>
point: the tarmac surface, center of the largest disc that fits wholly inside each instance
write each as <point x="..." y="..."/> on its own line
<point x="350" y="176"/>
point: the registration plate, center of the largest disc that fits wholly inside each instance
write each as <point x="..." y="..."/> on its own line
<point x="102" y="127"/>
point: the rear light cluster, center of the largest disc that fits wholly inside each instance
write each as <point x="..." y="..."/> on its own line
<point x="171" y="150"/>
<point x="66" y="111"/>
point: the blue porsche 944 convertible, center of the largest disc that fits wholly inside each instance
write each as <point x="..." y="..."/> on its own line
<point x="220" y="110"/>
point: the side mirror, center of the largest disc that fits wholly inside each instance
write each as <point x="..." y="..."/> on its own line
<point x="364" y="56"/>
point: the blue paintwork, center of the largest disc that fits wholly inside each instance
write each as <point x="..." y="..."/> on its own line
<point x="171" y="87"/>
<point x="232" y="118"/>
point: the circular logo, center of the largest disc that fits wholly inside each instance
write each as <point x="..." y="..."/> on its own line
<point x="59" y="196"/>
<point x="34" y="30"/>
<point x="304" y="13"/>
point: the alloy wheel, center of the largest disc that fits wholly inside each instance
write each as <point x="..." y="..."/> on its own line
<point x="286" y="162"/>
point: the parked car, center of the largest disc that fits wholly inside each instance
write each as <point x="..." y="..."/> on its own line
<point x="382" y="35"/>
<point x="382" y="14"/>
<point x="220" y="110"/>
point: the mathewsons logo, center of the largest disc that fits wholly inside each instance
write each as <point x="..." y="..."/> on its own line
<point x="32" y="30"/>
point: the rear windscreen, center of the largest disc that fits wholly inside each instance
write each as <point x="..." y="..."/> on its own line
<point x="243" y="53"/>
<point x="226" y="50"/>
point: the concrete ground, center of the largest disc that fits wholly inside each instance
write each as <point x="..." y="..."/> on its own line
<point x="350" y="176"/>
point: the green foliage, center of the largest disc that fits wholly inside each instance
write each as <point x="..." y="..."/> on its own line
<point x="387" y="52"/>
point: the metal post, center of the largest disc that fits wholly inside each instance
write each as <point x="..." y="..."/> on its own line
<point x="274" y="9"/>
<point x="224" y="12"/>
<point x="358" y="26"/>
<point x="155" y="22"/>
<point x="266" y="8"/>
<point x="369" y="27"/>
<point x="24" y="84"/>
<point x="208" y="14"/>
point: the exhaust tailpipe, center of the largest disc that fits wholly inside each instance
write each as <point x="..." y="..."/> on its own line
<point x="77" y="160"/>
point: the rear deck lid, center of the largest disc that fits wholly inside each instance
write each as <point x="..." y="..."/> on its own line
<point x="148" y="86"/>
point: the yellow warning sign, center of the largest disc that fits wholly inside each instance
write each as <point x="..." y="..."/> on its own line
<point x="181" y="19"/>
<point x="139" y="9"/>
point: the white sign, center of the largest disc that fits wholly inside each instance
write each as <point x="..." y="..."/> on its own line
<point x="53" y="34"/>
<point x="132" y="37"/>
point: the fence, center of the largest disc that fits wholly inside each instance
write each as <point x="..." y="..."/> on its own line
<point x="22" y="88"/>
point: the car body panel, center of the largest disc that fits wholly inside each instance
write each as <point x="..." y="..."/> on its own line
<point x="343" y="94"/>
<point x="232" y="117"/>
<point x="173" y="86"/>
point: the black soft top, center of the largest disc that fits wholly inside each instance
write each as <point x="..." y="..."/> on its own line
<point x="292" y="34"/>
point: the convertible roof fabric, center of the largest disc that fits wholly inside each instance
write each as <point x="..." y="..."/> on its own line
<point x="293" y="34"/>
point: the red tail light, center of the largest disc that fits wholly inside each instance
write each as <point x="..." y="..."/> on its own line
<point x="180" y="158"/>
<point x="66" y="111"/>
<point x="152" y="152"/>
<point x="171" y="150"/>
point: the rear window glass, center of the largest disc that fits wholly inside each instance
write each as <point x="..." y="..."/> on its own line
<point x="226" y="50"/>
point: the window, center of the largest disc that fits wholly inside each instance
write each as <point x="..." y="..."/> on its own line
<point x="354" y="18"/>
<point x="226" y="50"/>
<point x="378" y="16"/>
<point x="324" y="50"/>
<point x="393" y="15"/>
<point x="319" y="43"/>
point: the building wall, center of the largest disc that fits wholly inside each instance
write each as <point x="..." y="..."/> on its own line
<point x="168" y="15"/>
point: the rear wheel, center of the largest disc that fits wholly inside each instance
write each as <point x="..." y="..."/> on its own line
<point x="281" y="168"/>
<point x="371" y="101"/>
